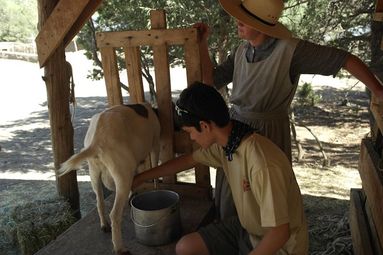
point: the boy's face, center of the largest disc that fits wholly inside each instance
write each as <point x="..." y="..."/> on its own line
<point x="203" y="138"/>
<point x="247" y="33"/>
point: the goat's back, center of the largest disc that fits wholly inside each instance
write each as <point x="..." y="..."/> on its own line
<point x="129" y="132"/>
<point x="126" y="127"/>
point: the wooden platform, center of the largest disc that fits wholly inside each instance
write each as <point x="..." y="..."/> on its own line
<point x="86" y="237"/>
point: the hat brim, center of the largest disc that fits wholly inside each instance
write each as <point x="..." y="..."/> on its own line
<point x="233" y="7"/>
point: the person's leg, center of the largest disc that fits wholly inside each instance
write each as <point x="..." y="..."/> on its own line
<point x="191" y="244"/>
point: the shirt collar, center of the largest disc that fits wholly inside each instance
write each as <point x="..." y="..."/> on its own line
<point x="255" y="54"/>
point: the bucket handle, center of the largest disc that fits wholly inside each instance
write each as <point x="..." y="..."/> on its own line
<point x="173" y="209"/>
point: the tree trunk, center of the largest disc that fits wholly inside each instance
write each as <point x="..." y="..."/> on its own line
<point x="57" y="80"/>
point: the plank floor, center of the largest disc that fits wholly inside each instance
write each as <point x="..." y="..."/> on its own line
<point x="85" y="236"/>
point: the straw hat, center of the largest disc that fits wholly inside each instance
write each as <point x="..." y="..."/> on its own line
<point x="261" y="15"/>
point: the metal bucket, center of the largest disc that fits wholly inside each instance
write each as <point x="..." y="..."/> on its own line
<point x="156" y="217"/>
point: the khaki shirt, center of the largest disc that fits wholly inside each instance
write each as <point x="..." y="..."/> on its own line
<point x="264" y="188"/>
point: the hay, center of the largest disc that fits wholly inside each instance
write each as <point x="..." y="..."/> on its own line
<point x="39" y="222"/>
<point x="18" y="193"/>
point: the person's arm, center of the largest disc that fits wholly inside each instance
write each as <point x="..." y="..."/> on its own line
<point x="206" y="63"/>
<point x="273" y="240"/>
<point x="310" y="58"/>
<point x="361" y="72"/>
<point x="170" y="167"/>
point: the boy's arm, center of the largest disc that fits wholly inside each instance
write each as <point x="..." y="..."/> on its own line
<point x="360" y="71"/>
<point x="170" y="167"/>
<point x="273" y="240"/>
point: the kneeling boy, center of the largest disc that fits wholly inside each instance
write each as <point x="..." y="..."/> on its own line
<point x="270" y="218"/>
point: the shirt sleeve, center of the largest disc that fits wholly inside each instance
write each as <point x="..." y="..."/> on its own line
<point x="269" y="188"/>
<point x="223" y="73"/>
<point x="210" y="156"/>
<point x="310" y="58"/>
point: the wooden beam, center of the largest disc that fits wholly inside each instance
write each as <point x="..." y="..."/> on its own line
<point x="152" y="37"/>
<point x="376" y="108"/>
<point x="379" y="6"/>
<point x="133" y="68"/>
<point x="57" y="26"/>
<point x="85" y="15"/>
<point x="57" y="75"/>
<point x="372" y="183"/>
<point x="360" y="233"/>
<point x="111" y="76"/>
<point x="193" y="74"/>
<point x="378" y="16"/>
<point x="163" y="88"/>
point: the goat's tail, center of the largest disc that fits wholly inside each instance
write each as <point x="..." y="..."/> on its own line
<point x="75" y="161"/>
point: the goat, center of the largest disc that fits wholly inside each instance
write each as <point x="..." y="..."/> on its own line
<point x="118" y="140"/>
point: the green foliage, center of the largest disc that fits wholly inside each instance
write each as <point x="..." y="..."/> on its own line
<point x="18" y="20"/>
<point x="339" y="23"/>
<point x="306" y="95"/>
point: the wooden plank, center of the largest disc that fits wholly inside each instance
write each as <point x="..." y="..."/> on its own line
<point x="85" y="15"/>
<point x="378" y="16"/>
<point x="377" y="111"/>
<point x="112" y="78"/>
<point x="152" y="37"/>
<point x="374" y="235"/>
<point x="361" y="239"/>
<point x="86" y="237"/>
<point x="193" y="73"/>
<point x="379" y="6"/>
<point x="163" y="88"/>
<point x="372" y="183"/>
<point x="133" y="67"/>
<point x="193" y="62"/>
<point x="57" y="26"/>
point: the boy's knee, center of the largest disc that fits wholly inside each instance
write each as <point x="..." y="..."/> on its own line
<point x="183" y="246"/>
<point x="191" y="244"/>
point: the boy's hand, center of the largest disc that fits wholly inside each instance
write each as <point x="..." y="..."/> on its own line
<point x="203" y="30"/>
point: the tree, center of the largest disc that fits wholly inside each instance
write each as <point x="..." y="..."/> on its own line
<point x="18" y="20"/>
<point x="339" y="23"/>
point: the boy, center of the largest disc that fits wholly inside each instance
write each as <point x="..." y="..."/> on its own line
<point x="266" y="195"/>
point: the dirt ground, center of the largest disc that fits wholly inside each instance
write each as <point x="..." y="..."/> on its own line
<point x="26" y="160"/>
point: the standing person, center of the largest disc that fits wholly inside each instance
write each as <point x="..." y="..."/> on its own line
<point x="270" y="218"/>
<point x="265" y="70"/>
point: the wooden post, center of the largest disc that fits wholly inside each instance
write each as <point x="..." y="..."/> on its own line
<point x="56" y="77"/>
<point x="161" y="66"/>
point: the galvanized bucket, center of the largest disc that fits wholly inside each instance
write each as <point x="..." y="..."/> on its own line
<point x="156" y="217"/>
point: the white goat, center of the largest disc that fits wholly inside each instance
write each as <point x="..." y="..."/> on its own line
<point x="118" y="140"/>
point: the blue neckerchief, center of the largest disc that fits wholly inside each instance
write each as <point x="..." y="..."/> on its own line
<point x="238" y="131"/>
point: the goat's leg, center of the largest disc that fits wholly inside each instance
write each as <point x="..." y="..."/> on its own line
<point x="95" y="177"/>
<point x="122" y="194"/>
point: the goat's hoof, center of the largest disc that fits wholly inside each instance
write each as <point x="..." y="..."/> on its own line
<point x="123" y="252"/>
<point x="106" y="229"/>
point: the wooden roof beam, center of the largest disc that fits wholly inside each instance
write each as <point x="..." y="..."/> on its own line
<point x="63" y="24"/>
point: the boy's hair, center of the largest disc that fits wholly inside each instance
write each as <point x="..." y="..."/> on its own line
<point x="201" y="102"/>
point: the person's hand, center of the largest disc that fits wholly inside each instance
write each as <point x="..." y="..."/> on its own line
<point x="379" y="94"/>
<point x="203" y="30"/>
<point x="135" y="183"/>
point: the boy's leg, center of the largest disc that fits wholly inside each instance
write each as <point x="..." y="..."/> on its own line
<point x="191" y="244"/>
<point x="226" y="237"/>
